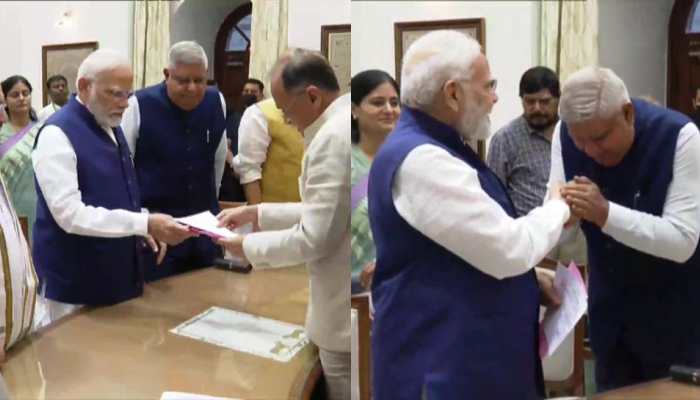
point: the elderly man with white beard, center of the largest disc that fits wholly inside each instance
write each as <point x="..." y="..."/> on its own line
<point x="455" y="291"/>
<point x="89" y="229"/>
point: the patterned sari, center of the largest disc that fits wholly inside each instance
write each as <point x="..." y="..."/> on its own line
<point x="18" y="279"/>
<point x="16" y="169"/>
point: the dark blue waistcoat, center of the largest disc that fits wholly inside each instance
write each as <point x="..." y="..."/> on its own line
<point x="175" y="152"/>
<point x="442" y="327"/>
<point x="82" y="269"/>
<point x="645" y="299"/>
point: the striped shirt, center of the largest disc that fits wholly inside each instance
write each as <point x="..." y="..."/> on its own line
<point x="520" y="156"/>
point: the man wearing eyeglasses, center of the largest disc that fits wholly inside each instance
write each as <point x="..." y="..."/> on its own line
<point x="87" y="239"/>
<point x="455" y="293"/>
<point x="519" y="153"/>
<point x="315" y="231"/>
<point x="176" y="131"/>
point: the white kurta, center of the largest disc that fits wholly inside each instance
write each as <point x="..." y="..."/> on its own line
<point x="317" y="230"/>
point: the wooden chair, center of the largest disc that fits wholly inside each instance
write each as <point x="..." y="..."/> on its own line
<point x="360" y="302"/>
<point x="313" y="388"/>
<point x="574" y="385"/>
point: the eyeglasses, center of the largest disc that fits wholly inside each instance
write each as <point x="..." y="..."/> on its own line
<point x="490" y="85"/>
<point x="119" y="94"/>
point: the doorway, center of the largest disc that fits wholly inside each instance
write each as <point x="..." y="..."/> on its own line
<point x="684" y="55"/>
<point x="232" y="54"/>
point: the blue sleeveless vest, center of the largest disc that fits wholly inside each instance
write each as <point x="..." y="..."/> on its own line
<point x="82" y="269"/>
<point x="443" y="328"/>
<point x="649" y="300"/>
<point x="175" y="152"/>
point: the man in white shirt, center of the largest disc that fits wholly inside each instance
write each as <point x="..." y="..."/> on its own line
<point x="315" y="231"/>
<point x="231" y="188"/>
<point x="269" y="155"/>
<point x="633" y="169"/>
<point x="57" y="86"/>
<point x="89" y="230"/>
<point x="455" y="293"/>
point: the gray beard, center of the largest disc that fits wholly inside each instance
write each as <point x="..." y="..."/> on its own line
<point x="475" y="129"/>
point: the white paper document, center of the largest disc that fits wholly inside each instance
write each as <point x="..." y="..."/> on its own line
<point x="246" y="333"/>
<point x="206" y="224"/>
<point x="190" y="396"/>
<point x="559" y="321"/>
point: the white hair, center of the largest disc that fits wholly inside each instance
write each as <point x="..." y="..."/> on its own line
<point x="432" y="60"/>
<point x="99" y="61"/>
<point x="187" y="52"/>
<point x="592" y="92"/>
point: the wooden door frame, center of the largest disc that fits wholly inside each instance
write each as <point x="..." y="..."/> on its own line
<point x="222" y="36"/>
<point x="675" y="95"/>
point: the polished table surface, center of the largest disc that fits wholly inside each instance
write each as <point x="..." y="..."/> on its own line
<point x="663" y="389"/>
<point x="125" y="351"/>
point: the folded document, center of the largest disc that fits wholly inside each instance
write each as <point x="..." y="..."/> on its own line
<point x="206" y="223"/>
<point x="560" y="321"/>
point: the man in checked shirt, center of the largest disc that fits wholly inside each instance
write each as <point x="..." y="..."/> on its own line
<point x="519" y="153"/>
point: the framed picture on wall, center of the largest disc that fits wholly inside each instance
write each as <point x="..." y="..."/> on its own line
<point x="405" y="33"/>
<point x="335" y="46"/>
<point x="63" y="59"/>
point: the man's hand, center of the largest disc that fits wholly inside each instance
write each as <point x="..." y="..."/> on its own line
<point x="367" y="274"/>
<point x="165" y="229"/>
<point x="548" y="294"/>
<point x="555" y="192"/>
<point x="586" y="201"/>
<point x="234" y="246"/>
<point x="157" y="247"/>
<point x="232" y="218"/>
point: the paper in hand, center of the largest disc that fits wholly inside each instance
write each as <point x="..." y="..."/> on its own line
<point x="560" y="321"/>
<point x="206" y="223"/>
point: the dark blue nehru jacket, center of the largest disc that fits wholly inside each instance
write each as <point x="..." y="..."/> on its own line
<point x="442" y="327"/>
<point x="175" y="164"/>
<point x="647" y="300"/>
<point x="81" y="269"/>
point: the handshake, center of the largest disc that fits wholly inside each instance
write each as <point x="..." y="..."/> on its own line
<point x="584" y="199"/>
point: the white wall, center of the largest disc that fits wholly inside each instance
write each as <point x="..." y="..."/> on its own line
<point x="306" y="17"/>
<point x="641" y="58"/>
<point x="26" y="26"/>
<point x="200" y="20"/>
<point x="511" y="39"/>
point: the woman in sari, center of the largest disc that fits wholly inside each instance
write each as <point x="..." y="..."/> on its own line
<point x="16" y="142"/>
<point x="375" y="110"/>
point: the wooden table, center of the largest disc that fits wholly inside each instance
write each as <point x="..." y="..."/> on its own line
<point x="125" y="351"/>
<point x="663" y="389"/>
